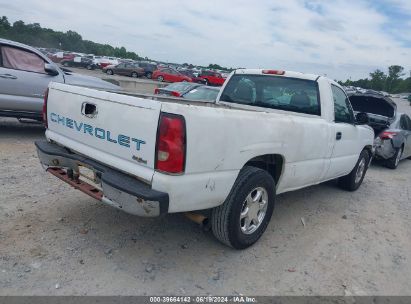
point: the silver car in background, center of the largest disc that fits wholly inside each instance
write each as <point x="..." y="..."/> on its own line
<point x="25" y="74"/>
<point x="392" y="129"/>
<point x="394" y="143"/>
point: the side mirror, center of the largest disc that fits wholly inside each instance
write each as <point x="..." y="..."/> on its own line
<point x="362" y="118"/>
<point x="51" y="69"/>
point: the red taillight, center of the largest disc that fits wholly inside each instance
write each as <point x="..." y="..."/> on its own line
<point x="46" y="96"/>
<point x="156" y="91"/>
<point x="171" y="144"/>
<point x="273" y="72"/>
<point x="387" y="135"/>
<point x="176" y="94"/>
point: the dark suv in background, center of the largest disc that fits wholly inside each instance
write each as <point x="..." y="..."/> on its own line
<point x="148" y="67"/>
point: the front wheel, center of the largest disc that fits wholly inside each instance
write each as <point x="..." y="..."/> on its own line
<point x="160" y="78"/>
<point x="149" y="75"/>
<point x="109" y="72"/>
<point x="244" y="216"/>
<point x="134" y="75"/>
<point x="352" y="181"/>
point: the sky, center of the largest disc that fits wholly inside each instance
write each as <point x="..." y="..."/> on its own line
<point x="340" y="38"/>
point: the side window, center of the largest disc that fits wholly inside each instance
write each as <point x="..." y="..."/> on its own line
<point x="342" y="107"/>
<point x="408" y="122"/>
<point x="405" y="122"/>
<point x="121" y="65"/>
<point x="19" y="59"/>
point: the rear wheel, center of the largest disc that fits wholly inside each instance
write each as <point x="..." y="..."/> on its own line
<point x="393" y="162"/>
<point x="134" y="75"/>
<point x="149" y="75"/>
<point x="244" y="216"/>
<point x="206" y="82"/>
<point x="160" y="78"/>
<point x="109" y="72"/>
<point x="352" y="181"/>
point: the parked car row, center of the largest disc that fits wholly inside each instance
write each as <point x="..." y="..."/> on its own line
<point x="133" y="69"/>
<point x="205" y="77"/>
<point x="79" y="62"/>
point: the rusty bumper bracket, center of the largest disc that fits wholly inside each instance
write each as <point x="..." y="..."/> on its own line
<point x="77" y="183"/>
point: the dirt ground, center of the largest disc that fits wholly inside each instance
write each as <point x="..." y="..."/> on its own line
<point x="55" y="240"/>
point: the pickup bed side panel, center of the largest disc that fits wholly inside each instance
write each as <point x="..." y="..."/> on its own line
<point x="220" y="141"/>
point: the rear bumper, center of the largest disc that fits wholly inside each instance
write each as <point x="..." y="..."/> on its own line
<point x="384" y="149"/>
<point x="118" y="189"/>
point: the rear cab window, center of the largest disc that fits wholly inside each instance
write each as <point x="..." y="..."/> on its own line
<point x="274" y="92"/>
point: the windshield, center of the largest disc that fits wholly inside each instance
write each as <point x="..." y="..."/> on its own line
<point x="180" y="86"/>
<point x="202" y="93"/>
<point x="283" y="93"/>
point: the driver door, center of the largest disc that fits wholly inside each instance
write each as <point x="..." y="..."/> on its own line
<point x="347" y="145"/>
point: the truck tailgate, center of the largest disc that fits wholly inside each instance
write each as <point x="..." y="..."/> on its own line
<point x="114" y="129"/>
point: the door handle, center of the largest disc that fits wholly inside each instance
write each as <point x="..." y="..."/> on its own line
<point x="8" y="76"/>
<point x="89" y="110"/>
<point x="338" y="136"/>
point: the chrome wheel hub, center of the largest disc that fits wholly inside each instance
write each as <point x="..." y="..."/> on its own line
<point x="397" y="159"/>
<point x="360" y="170"/>
<point x="253" y="210"/>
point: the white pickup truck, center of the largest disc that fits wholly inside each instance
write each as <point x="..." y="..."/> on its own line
<point x="268" y="132"/>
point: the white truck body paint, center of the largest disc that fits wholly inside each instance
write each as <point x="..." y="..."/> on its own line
<point x="221" y="139"/>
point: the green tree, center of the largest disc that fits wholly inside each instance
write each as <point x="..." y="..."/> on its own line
<point x="378" y="80"/>
<point x="394" y="74"/>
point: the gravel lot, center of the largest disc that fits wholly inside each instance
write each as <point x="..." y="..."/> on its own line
<point x="55" y="240"/>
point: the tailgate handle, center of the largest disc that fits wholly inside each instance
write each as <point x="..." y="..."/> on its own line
<point x="89" y="109"/>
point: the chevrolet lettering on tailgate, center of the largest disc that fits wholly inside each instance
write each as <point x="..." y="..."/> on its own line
<point x="100" y="133"/>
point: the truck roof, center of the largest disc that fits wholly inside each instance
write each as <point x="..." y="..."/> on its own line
<point x="286" y="73"/>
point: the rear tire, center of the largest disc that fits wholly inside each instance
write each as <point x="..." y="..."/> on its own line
<point x="149" y="75"/>
<point x="160" y="78"/>
<point x="353" y="181"/>
<point x="243" y="208"/>
<point x="206" y="82"/>
<point x="393" y="162"/>
<point x="134" y="75"/>
<point x="109" y="72"/>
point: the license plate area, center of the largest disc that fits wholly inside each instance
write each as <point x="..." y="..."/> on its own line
<point x="89" y="176"/>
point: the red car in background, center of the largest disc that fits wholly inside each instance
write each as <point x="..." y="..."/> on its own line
<point x="59" y="56"/>
<point x="170" y="75"/>
<point x="212" y="78"/>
